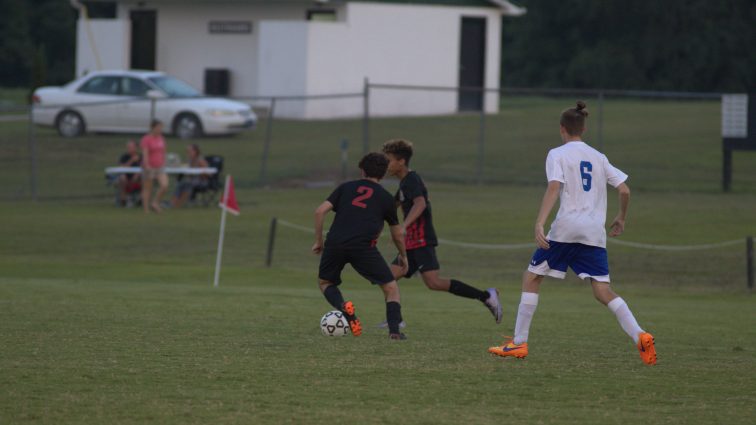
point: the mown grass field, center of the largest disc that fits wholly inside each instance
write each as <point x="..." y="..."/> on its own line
<point x="109" y="316"/>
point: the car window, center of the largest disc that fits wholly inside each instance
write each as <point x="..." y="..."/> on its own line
<point x="134" y="87"/>
<point x="101" y="85"/>
<point x="174" y="87"/>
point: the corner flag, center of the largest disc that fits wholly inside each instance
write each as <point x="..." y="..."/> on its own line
<point x="228" y="203"/>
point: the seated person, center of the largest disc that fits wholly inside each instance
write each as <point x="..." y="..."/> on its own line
<point x="129" y="182"/>
<point x="189" y="183"/>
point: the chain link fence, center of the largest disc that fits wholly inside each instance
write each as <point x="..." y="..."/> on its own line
<point x="664" y="141"/>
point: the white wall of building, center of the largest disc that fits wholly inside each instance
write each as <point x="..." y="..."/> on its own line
<point x="395" y="44"/>
<point x="282" y="64"/>
<point x="108" y="39"/>
<point x="387" y="43"/>
<point x="185" y="47"/>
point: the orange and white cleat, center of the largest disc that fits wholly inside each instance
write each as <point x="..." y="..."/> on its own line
<point x="646" y="348"/>
<point x="354" y="323"/>
<point x="510" y="349"/>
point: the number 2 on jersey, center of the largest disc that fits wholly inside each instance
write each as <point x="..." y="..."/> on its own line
<point x="585" y="169"/>
<point x="366" y="192"/>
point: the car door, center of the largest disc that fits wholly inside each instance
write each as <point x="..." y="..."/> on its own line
<point x="97" y="100"/>
<point x="135" y="112"/>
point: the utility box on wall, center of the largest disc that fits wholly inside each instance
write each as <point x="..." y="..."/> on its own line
<point x="217" y="82"/>
<point x="738" y="130"/>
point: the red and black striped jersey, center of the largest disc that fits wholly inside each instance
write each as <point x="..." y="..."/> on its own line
<point x="420" y="233"/>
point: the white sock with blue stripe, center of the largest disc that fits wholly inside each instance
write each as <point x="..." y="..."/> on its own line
<point x="619" y="307"/>
<point x="528" y="304"/>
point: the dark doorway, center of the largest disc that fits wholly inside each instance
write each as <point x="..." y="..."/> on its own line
<point x="143" y="34"/>
<point x="472" y="63"/>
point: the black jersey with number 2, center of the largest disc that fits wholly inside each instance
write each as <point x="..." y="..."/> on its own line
<point x="361" y="207"/>
<point x="421" y="232"/>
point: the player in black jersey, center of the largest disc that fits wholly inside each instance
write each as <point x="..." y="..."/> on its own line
<point x="361" y="207"/>
<point x="420" y="236"/>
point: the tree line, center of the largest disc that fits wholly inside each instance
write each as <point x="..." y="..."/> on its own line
<point x="37" y="42"/>
<point x="680" y="45"/>
<point x="677" y="45"/>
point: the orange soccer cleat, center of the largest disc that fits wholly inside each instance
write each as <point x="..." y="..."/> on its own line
<point x="510" y="349"/>
<point x="646" y="348"/>
<point x="354" y="323"/>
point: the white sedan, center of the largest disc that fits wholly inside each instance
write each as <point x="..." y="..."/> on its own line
<point x="126" y="101"/>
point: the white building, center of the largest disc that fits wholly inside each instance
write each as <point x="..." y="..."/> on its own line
<point x="295" y="48"/>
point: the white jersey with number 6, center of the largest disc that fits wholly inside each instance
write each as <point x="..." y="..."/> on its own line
<point x="584" y="173"/>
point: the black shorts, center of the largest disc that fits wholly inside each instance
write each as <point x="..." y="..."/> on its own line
<point x="420" y="260"/>
<point x="368" y="262"/>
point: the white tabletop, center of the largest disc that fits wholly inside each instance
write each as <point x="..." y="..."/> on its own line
<point x="168" y="170"/>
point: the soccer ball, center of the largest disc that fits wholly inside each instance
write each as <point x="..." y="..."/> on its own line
<point x="334" y="323"/>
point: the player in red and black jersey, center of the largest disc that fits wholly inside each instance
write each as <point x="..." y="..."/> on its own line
<point x="361" y="207"/>
<point x="420" y="236"/>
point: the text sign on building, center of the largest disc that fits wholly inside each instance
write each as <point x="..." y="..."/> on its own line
<point x="735" y="115"/>
<point x="230" y="27"/>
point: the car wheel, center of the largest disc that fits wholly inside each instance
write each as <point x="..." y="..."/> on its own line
<point x="187" y="126"/>
<point x="70" y="124"/>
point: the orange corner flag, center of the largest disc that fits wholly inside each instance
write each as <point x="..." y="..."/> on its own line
<point x="229" y="197"/>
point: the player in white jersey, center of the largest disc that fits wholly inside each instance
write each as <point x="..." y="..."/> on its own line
<point x="577" y="175"/>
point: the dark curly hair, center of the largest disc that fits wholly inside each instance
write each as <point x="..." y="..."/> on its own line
<point x="374" y="165"/>
<point x="400" y="148"/>
<point x="573" y="119"/>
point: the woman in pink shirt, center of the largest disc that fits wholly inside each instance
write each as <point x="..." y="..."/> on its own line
<point x="153" y="166"/>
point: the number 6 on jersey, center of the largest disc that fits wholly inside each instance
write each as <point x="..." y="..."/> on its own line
<point x="585" y="168"/>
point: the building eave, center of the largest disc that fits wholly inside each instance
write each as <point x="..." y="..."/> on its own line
<point x="509" y="8"/>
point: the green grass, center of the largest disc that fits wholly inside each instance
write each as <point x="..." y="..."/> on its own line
<point x="82" y="351"/>
<point x="109" y="316"/>
<point x="13" y="97"/>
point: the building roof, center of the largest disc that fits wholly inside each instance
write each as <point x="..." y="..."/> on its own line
<point x="507" y="7"/>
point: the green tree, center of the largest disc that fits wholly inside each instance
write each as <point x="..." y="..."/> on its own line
<point x="29" y="29"/>
<point x="15" y="44"/>
<point x="691" y="45"/>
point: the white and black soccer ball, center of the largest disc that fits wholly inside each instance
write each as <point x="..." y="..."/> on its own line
<point x="334" y="323"/>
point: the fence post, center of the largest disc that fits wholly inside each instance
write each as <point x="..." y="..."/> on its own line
<point x="749" y="261"/>
<point x="32" y="154"/>
<point x="601" y="120"/>
<point x="366" y="118"/>
<point x="726" y="168"/>
<point x="152" y="110"/>
<point x="271" y="240"/>
<point x="481" y="141"/>
<point x="266" y="146"/>
<point x="344" y="159"/>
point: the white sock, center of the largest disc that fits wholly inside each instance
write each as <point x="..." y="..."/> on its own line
<point x="528" y="304"/>
<point x="619" y="307"/>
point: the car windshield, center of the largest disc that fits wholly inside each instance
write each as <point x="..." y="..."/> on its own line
<point x="174" y="87"/>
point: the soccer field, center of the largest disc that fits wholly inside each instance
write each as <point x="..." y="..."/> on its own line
<point x="110" y="316"/>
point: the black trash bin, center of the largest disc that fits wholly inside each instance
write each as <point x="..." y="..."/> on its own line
<point x="217" y="82"/>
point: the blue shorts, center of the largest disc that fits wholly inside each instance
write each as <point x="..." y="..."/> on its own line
<point x="585" y="260"/>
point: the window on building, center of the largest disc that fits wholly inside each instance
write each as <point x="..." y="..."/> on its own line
<point x="101" y="85"/>
<point x="324" y="15"/>
<point x="101" y="9"/>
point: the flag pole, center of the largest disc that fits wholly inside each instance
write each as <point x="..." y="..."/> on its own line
<point x="222" y="232"/>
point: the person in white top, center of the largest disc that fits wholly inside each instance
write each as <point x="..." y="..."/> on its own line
<point x="578" y="175"/>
